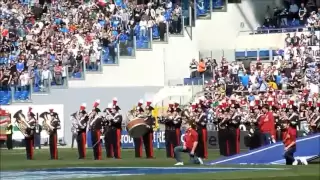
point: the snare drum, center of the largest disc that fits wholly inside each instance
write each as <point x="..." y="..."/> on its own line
<point x="137" y="127"/>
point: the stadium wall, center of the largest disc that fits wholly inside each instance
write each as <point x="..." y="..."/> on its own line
<point x="223" y="29"/>
<point x="149" y="68"/>
<point x="73" y="97"/>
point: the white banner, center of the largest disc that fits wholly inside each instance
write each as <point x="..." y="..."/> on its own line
<point x="36" y="109"/>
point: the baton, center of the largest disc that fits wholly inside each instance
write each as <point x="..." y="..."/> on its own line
<point x="96" y="143"/>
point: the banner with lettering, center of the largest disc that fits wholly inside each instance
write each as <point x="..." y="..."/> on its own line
<point x="127" y="141"/>
<point x="159" y="140"/>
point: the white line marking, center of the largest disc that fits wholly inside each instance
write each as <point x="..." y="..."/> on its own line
<point x="261" y="150"/>
<point x="187" y="168"/>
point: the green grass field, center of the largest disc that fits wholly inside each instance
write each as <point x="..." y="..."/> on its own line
<point x="15" y="160"/>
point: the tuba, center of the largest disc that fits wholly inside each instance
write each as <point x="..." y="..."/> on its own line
<point x="22" y="124"/>
<point x="47" y="122"/>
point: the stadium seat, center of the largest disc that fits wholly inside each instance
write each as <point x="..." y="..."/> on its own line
<point x="155" y="32"/>
<point x="129" y="49"/>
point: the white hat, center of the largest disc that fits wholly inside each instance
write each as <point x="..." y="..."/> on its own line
<point x="84" y="105"/>
<point x="140" y="101"/>
<point x="97" y="101"/>
<point x="171" y="102"/>
<point x="109" y="106"/>
<point x="114" y="99"/>
<point x="176" y="102"/>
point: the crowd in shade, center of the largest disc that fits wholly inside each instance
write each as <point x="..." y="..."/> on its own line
<point x="44" y="43"/>
<point x="294" y="13"/>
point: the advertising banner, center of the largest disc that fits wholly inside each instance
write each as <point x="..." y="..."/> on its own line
<point x="127" y="141"/>
<point x="307" y="147"/>
<point x="159" y="140"/>
<point x="36" y="109"/>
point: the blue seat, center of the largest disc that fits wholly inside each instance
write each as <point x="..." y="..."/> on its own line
<point x="17" y="95"/>
<point x="201" y="11"/>
<point x="129" y="50"/>
<point x="155" y="32"/>
<point x="24" y="95"/>
<point x="217" y="4"/>
<point x="77" y="75"/>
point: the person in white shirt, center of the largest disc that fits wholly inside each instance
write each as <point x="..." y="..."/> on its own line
<point x="293" y="9"/>
<point x="24" y="80"/>
<point x="46" y="76"/>
<point x="143" y="27"/>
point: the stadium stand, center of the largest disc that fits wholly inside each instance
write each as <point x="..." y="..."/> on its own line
<point x="43" y="47"/>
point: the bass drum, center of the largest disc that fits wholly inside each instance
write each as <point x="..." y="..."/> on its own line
<point x="137" y="127"/>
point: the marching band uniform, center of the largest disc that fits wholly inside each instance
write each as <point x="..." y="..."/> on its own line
<point x="30" y="140"/>
<point x="223" y="133"/>
<point x="116" y="123"/>
<point x="201" y="122"/>
<point x="37" y="134"/>
<point x="147" y="138"/>
<point x="53" y="136"/>
<point x="107" y="130"/>
<point x="95" y="129"/>
<point x="81" y="129"/>
<point x="169" y="130"/>
<point x="138" y="141"/>
<point x="177" y="121"/>
<point x="9" y="133"/>
<point x="234" y="133"/>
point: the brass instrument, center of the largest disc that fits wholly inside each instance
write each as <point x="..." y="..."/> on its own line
<point x="47" y="122"/>
<point x="80" y="121"/>
<point x="22" y="124"/>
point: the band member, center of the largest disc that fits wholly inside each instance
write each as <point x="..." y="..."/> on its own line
<point x="37" y="135"/>
<point x="114" y="102"/>
<point x="169" y="130"/>
<point x="139" y="109"/>
<point x="234" y="132"/>
<point x="30" y="131"/>
<point x="79" y="121"/>
<point x="177" y="121"/>
<point x="293" y="116"/>
<point x="303" y="119"/>
<point x="95" y="126"/>
<point x="223" y="119"/>
<point x="147" y="138"/>
<point x="201" y="122"/>
<point x="115" y="135"/>
<point x="107" y="130"/>
<point x="9" y="133"/>
<point x="53" y="136"/>
<point x="266" y="125"/>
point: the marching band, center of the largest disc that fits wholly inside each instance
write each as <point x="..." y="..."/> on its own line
<point x="264" y="121"/>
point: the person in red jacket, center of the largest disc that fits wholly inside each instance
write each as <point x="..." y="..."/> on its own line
<point x="289" y="142"/>
<point x="189" y="146"/>
<point x="266" y="125"/>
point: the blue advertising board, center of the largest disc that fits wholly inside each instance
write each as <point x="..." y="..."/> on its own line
<point x="307" y="147"/>
<point x="127" y="141"/>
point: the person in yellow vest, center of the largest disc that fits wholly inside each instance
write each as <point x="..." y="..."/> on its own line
<point x="9" y="133"/>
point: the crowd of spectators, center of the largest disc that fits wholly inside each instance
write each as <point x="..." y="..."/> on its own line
<point x="289" y="84"/>
<point x="43" y="43"/>
<point x="294" y="13"/>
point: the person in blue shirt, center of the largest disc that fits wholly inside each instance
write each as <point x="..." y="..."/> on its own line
<point x="20" y="66"/>
<point x="245" y="79"/>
